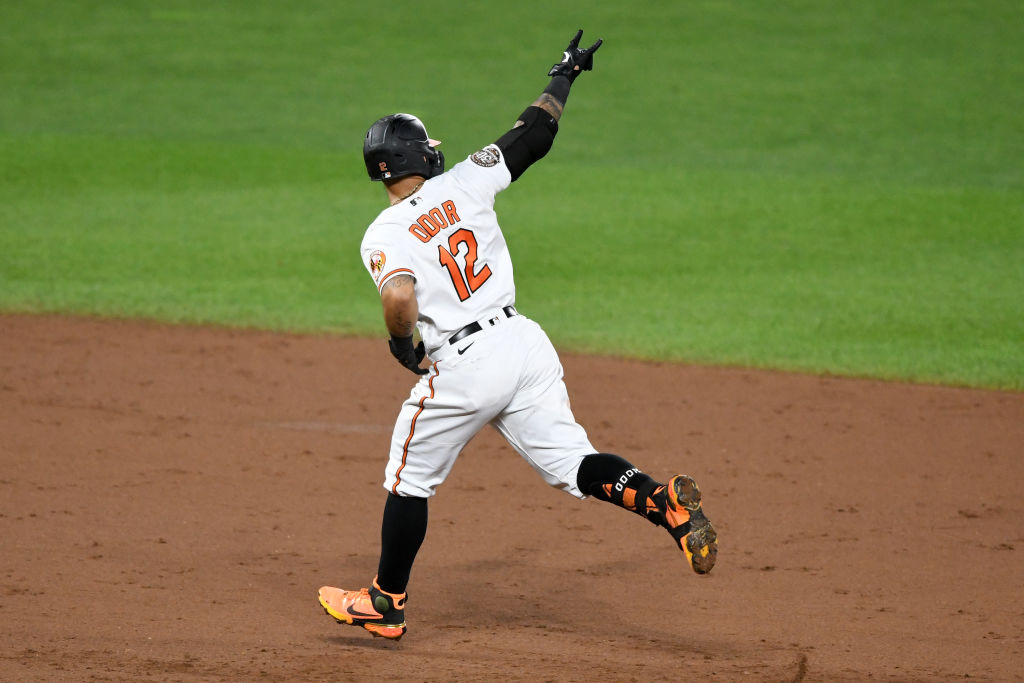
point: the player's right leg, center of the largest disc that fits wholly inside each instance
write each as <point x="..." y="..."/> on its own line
<point x="539" y="424"/>
<point x="675" y="506"/>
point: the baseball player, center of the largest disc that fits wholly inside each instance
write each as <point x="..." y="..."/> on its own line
<point x="441" y="265"/>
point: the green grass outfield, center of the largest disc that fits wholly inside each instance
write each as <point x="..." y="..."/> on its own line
<point x="822" y="186"/>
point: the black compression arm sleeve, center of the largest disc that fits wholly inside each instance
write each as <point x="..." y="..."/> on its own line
<point x="528" y="142"/>
<point x="559" y="89"/>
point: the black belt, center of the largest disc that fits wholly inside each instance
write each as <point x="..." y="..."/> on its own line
<point x="474" y="327"/>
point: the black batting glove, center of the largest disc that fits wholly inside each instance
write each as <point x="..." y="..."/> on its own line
<point x="574" y="60"/>
<point x="402" y="349"/>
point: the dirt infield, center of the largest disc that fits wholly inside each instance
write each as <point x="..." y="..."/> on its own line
<point x="171" y="498"/>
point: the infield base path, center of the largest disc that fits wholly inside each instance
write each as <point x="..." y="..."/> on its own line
<point x="171" y="498"/>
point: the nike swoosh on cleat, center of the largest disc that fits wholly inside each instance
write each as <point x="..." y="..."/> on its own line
<point x="361" y="615"/>
<point x="463" y="350"/>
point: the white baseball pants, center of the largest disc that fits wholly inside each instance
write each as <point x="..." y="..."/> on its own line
<point x="507" y="375"/>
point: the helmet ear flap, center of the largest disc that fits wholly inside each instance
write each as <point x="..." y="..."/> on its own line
<point x="437" y="166"/>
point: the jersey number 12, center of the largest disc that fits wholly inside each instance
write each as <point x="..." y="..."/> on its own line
<point x="466" y="280"/>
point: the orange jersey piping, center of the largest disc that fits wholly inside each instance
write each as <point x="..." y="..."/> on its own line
<point x="384" y="279"/>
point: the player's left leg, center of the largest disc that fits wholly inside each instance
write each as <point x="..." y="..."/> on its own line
<point x="379" y="612"/>
<point x="402" y="530"/>
<point x="443" y="412"/>
<point x="380" y="609"/>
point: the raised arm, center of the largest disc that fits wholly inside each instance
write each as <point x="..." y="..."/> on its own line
<point x="534" y="131"/>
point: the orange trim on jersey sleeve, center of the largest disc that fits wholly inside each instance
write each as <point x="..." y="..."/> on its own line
<point x="396" y="271"/>
<point x="412" y="430"/>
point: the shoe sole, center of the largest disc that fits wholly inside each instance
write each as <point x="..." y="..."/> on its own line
<point x="701" y="543"/>
<point x="388" y="631"/>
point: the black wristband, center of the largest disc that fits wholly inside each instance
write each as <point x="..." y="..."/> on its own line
<point x="402" y="342"/>
<point x="407" y="354"/>
<point x="559" y="89"/>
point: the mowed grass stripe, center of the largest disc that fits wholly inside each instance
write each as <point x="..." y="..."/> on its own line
<point x="830" y="187"/>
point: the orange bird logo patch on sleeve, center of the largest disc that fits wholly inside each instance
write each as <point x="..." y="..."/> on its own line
<point x="377" y="260"/>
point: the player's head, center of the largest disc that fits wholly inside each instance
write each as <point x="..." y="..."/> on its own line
<point x="397" y="146"/>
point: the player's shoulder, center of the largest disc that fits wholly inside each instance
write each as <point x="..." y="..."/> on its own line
<point x="486" y="166"/>
<point x="383" y="229"/>
<point x="487" y="157"/>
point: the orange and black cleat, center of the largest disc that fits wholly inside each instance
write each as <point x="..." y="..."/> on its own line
<point x="687" y="524"/>
<point x="380" y="613"/>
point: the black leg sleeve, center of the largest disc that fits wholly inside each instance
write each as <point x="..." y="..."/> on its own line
<point x="402" y="531"/>
<point x="614" y="479"/>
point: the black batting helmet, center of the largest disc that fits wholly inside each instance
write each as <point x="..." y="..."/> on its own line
<point x="397" y="146"/>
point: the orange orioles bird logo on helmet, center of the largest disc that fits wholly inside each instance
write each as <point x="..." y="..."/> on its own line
<point x="377" y="260"/>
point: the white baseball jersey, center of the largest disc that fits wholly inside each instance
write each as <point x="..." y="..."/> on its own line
<point x="446" y="235"/>
<point x="506" y="374"/>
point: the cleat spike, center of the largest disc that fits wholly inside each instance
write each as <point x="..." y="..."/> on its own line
<point x="686" y="522"/>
